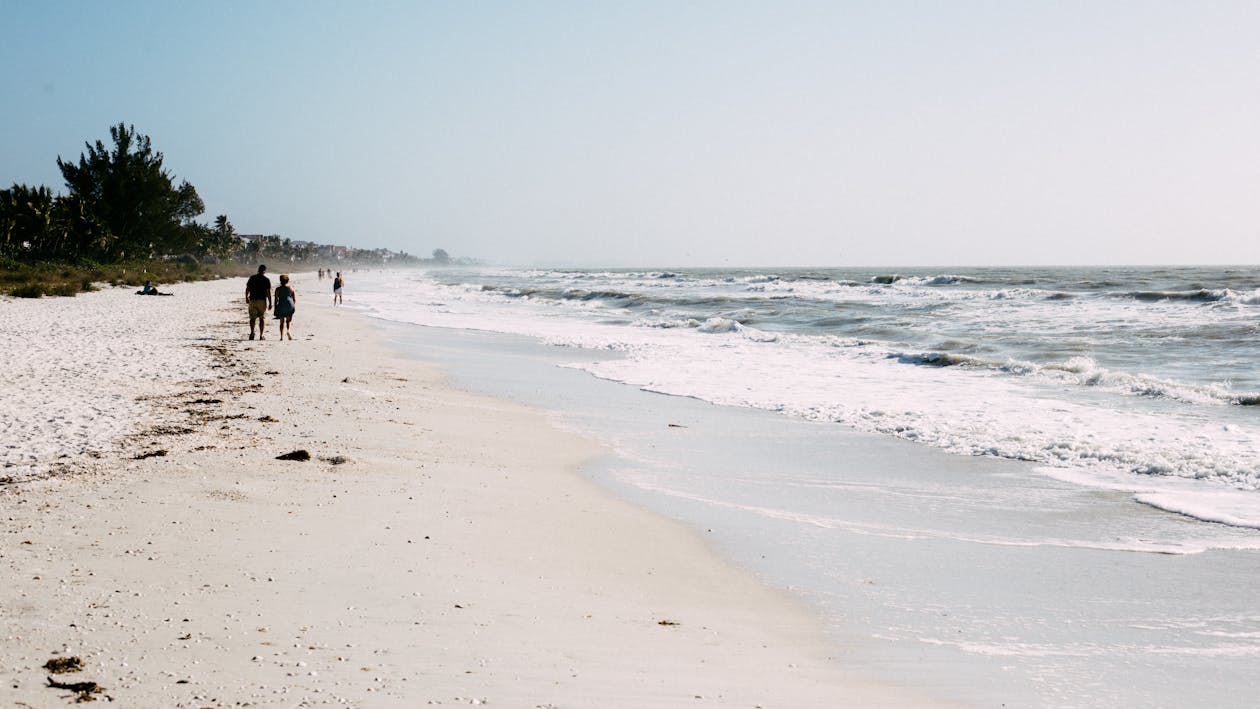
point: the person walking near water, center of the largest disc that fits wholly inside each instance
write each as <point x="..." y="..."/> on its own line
<point x="337" y="285"/>
<point x="286" y="304"/>
<point x="258" y="298"/>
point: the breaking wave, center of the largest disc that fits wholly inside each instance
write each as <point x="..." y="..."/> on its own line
<point x="1085" y="372"/>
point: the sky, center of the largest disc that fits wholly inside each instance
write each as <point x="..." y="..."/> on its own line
<point x="673" y="133"/>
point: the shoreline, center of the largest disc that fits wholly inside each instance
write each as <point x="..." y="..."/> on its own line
<point x="441" y="546"/>
<point x="980" y="578"/>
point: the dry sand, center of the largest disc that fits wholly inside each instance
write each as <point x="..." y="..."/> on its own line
<point x="440" y="547"/>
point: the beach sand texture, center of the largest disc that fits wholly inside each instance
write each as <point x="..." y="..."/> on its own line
<point x="439" y="547"/>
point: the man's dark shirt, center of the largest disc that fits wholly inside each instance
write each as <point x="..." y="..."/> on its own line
<point x="258" y="286"/>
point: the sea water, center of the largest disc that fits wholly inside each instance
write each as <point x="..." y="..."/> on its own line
<point x="1037" y="481"/>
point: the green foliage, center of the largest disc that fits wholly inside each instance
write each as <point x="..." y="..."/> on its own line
<point x="123" y="207"/>
<point x="26" y="220"/>
<point x="29" y="290"/>
<point x="128" y="193"/>
<point x="68" y="279"/>
<point x="121" y="202"/>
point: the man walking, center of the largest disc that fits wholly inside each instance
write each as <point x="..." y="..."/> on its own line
<point x="258" y="297"/>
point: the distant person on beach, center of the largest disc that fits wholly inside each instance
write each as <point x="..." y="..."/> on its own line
<point x="258" y="297"/>
<point x="286" y="304"/>
<point x="321" y="274"/>
<point x="150" y="289"/>
<point x="338" y="283"/>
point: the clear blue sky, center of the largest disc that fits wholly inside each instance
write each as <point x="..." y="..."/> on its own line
<point x="675" y="132"/>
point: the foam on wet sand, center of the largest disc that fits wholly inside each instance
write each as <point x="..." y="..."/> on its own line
<point x="438" y="547"/>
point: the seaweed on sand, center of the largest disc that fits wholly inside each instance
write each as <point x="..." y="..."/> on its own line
<point x="62" y="665"/>
<point x="83" y="690"/>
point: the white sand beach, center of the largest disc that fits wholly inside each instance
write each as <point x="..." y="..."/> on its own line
<point x="439" y="547"/>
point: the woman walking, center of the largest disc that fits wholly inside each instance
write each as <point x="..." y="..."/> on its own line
<point x="337" y="284"/>
<point x="286" y="304"/>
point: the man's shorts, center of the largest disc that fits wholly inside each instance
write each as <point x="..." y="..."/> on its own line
<point x="257" y="309"/>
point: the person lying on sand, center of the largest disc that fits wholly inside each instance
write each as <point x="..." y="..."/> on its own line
<point x="150" y="289"/>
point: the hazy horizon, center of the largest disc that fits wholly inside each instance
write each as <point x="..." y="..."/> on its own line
<point x="891" y="267"/>
<point x="807" y="134"/>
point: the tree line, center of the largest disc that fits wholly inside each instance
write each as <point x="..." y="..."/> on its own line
<point x="122" y="204"/>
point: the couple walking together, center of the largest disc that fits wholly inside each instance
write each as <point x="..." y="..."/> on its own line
<point x="258" y="296"/>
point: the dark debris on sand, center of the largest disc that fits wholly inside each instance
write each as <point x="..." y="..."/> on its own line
<point x="83" y="690"/>
<point x="62" y="665"/>
<point x="299" y="454"/>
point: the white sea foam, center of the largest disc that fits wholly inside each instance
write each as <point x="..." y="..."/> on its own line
<point x="713" y="325"/>
<point x="1017" y="649"/>
<point x="901" y="530"/>
<point x="1072" y="413"/>
<point x="1230" y="508"/>
<point x="1076" y="596"/>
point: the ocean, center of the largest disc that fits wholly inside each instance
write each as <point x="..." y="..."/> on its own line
<point x="1035" y="486"/>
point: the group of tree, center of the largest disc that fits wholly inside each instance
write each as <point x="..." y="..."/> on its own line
<point x="122" y="204"/>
